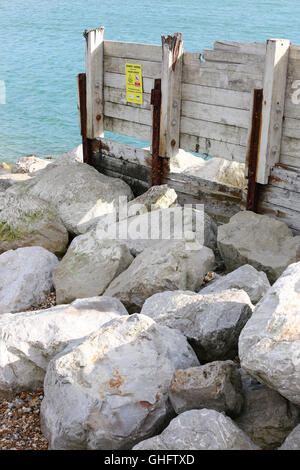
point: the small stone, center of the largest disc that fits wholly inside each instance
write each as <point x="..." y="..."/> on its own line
<point x="216" y="386"/>
<point x="247" y="278"/>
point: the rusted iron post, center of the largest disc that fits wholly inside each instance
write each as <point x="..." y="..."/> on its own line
<point x="86" y="143"/>
<point x="253" y="150"/>
<point x="156" y="160"/>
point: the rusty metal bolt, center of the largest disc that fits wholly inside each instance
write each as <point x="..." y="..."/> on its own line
<point x="98" y="117"/>
<point x="173" y="142"/>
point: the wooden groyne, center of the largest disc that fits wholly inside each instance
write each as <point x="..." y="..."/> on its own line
<point x="239" y="102"/>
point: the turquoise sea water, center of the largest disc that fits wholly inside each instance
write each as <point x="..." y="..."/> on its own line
<point x="42" y="50"/>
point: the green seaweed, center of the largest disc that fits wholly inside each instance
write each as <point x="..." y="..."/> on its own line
<point x="8" y="233"/>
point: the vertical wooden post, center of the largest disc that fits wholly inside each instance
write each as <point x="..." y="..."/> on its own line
<point x="81" y="88"/>
<point x="253" y="149"/>
<point x="172" y="55"/>
<point x="276" y="64"/>
<point x="94" y="82"/>
<point x="156" y="160"/>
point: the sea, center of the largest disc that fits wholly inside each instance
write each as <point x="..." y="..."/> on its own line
<point x="42" y="50"/>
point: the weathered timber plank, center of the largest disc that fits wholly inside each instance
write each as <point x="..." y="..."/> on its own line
<point x="220" y="79"/>
<point x="221" y="132"/>
<point x="125" y="152"/>
<point x="94" y="82"/>
<point x="292" y="99"/>
<point x="171" y="76"/>
<point x="212" y="113"/>
<point x="281" y="197"/>
<point x="291" y="128"/>
<point x="128" y="113"/>
<point x="116" y="80"/>
<point x="258" y="48"/>
<point x="216" y="96"/>
<point x="291" y="146"/>
<point x="285" y="178"/>
<point x="117" y="65"/>
<point x="133" y="50"/>
<point x="289" y="161"/>
<point x="231" y="57"/>
<point x="252" y="69"/>
<point x="123" y="167"/>
<point x="138" y="186"/>
<point x="117" y="95"/>
<point x="288" y="216"/>
<point x="213" y="148"/>
<point x="220" y="208"/>
<point x="132" y="129"/>
<point x="294" y="52"/>
<point x="198" y="184"/>
<point x="273" y="106"/>
<point x="294" y="68"/>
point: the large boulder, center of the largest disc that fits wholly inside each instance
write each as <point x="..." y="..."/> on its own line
<point x="216" y="385"/>
<point x="292" y="442"/>
<point x="78" y="192"/>
<point x="269" y="345"/>
<point x="110" y="391"/>
<point x="211" y="322"/>
<point x="28" y="221"/>
<point x="169" y="265"/>
<point x="89" y="266"/>
<point x="247" y="278"/>
<point x="199" y="430"/>
<point x="29" y="340"/>
<point x="30" y="164"/>
<point x="267" y="417"/>
<point x="259" y="240"/>
<point x="25" y="278"/>
<point x="147" y="229"/>
<point x="157" y="197"/>
<point x="73" y="156"/>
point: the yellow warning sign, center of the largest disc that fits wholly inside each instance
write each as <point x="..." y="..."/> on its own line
<point x="134" y="83"/>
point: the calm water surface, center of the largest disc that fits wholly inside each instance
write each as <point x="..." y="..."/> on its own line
<point x="42" y="50"/>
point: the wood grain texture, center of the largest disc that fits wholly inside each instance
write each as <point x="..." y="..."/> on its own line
<point x="210" y="76"/>
<point x="213" y="113"/>
<point x="274" y="87"/>
<point x="213" y="148"/>
<point x="117" y="65"/>
<point x="94" y="82"/>
<point x="216" y="96"/>
<point x="128" y="113"/>
<point x="210" y="130"/>
<point x="171" y="78"/>
<point x="258" y="48"/>
<point x="133" y="50"/>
